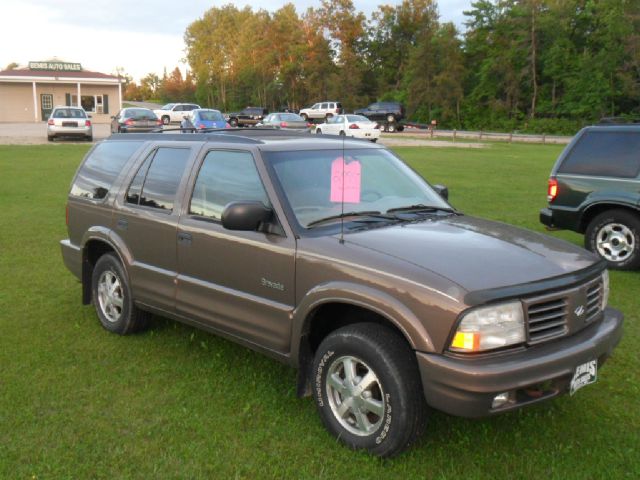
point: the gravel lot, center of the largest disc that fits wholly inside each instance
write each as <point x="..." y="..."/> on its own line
<point x="36" y="133"/>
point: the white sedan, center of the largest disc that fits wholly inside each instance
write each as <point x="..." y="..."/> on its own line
<point x="355" y="126"/>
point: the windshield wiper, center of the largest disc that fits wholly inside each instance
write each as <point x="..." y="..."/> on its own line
<point x="420" y="208"/>
<point x="371" y="215"/>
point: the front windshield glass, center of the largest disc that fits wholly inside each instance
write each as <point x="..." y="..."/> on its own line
<point x="370" y="180"/>
<point x="211" y="116"/>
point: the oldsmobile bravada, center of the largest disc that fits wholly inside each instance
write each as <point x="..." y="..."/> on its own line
<point x="335" y="257"/>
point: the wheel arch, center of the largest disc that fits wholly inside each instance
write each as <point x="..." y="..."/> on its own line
<point x="97" y="243"/>
<point x="595" y="209"/>
<point x="317" y="319"/>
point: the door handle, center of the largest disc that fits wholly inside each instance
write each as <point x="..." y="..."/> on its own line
<point x="184" y="238"/>
<point x="122" y="224"/>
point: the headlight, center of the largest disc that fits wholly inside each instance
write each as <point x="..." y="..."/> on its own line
<point x="605" y="289"/>
<point x="490" y="327"/>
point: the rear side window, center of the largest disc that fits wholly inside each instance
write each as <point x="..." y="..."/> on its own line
<point x="156" y="182"/>
<point x="98" y="172"/>
<point x="606" y="154"/>
<point x="225" y="177"/>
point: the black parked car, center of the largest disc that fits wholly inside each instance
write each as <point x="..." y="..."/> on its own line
<point x="247" y="117"/>
<point x="594" y="189"/>
<point x="135" y="120"/>
<point x="389" y="112"/>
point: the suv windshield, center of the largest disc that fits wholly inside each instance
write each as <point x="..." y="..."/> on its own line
<point x="370" y="180"/>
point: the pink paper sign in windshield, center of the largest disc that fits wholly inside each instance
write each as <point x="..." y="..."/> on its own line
<point x="350" y="174"/>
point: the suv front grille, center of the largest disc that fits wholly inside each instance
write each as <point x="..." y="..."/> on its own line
<point x="562" y="313"/>
<point x="547" y="320"/>
<point x="594" y="300"/>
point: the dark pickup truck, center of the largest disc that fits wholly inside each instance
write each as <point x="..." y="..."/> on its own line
<point x="389" y="112"/>
<point x="247" y="117"/>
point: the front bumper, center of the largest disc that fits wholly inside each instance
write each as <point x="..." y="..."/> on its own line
<point x="466" y="386"/>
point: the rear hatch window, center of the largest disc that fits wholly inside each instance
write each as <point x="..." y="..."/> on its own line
<point x="100" y="169"/>
<point x="605" y="154"/>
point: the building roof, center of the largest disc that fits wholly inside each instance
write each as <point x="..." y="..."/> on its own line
<point x="26" y="72"/>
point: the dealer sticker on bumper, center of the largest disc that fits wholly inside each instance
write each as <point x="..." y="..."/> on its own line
<point x="585" y="374"/>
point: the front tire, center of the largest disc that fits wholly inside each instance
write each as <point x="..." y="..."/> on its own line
<point x="165" y="120"/>
<point x="233" y="122"/>
<point x="391" y="118"/>
<point x="391" y="128"/>
<point x="368" y="390"/>
<point x="304" y="116"/>
<point x="112" y="298"/>
<point x="318" y="131"/>
<point x="615" y="236"/>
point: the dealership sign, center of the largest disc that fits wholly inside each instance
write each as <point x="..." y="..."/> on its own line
<point x="55" y="66"/>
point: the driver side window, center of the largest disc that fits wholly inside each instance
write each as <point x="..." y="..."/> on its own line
<point x="225" y="176"/>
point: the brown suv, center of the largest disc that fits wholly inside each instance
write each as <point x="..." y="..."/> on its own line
<point x="335" y="257"/>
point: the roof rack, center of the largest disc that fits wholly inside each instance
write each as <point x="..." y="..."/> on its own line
<point x="232" y="135"/>
<point x="618" y="121"/>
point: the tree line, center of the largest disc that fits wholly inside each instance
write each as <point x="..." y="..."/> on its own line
<point x="531" y="65"/>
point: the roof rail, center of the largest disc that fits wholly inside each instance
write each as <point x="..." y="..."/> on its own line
<point x="618" y="120"/>
<point x="252" y="135"/>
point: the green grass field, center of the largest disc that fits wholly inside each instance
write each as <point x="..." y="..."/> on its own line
<point x="77" y="402"/>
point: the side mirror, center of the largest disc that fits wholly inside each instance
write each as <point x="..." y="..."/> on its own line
<point x="442" y="191"/>
<point x="245" y="216"/>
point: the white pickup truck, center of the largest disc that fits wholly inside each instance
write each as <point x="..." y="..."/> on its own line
<point x="174" y="112"/>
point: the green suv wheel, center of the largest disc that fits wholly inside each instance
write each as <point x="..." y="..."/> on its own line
<point x="368" y="390"/>
<point x="615" y="236"/>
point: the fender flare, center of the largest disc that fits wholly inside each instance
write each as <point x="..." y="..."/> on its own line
<point x="379" y="302"/>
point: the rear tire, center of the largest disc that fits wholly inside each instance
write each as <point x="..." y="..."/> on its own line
<point x="367" y="389"/>
<point x="614" y="235"/>
<point x="233" y="122"/>
<point x="112" y="298"/>
<point x="391" y="118"/>
<point x="165" y="120"/>
<point x="304" y="116"/>
<point x="318" y="131"/>
<point x="391" y="128"/>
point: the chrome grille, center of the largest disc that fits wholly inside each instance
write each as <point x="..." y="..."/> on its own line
<point x="563" y="313"/>
<point x="547" y="320"/>
<point x="594" y="301"/>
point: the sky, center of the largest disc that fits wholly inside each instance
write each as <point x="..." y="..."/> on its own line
<point x="141" y="36"/>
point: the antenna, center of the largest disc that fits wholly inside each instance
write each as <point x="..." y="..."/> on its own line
<point x="344" y="167"/>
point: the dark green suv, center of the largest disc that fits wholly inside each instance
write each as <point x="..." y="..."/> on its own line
<point x="594" y="189"/>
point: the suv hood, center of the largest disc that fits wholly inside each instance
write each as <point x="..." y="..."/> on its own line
<point x="474" y="253"/>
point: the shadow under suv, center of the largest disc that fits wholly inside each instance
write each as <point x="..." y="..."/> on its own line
<point x="333" y="256"/>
